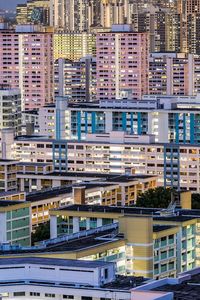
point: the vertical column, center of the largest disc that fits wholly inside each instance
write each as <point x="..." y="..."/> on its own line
<point x="93" y="122"/>
<point x="124" y="121"/>
<point x="53" y="227"/>
<point x="99" y="222"/>
<point x="75" y="224"/>
<point x="139" y="131"/>
<point x="87" y="223"/>
<point x="191" y="128"/>
<point x="108" y="121"/>
<point x="79" y="125"/>
<point x="123" y="196"/>
<point x="177" y="128"/>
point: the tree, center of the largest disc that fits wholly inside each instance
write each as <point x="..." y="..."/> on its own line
<point x="196" y="201"/>
<point x="159" y="197"/>
<point x="42" y="232"/>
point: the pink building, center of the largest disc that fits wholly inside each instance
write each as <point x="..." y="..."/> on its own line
<point x="26" y="62"/>
<point x="122" y="63"/>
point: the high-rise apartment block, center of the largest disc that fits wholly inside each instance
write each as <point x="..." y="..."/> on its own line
<point x="26" y="62"/>
<point x="72" y="15"/>
<point x="174" y="74"/>
<point x="76" y="79"/>
<point x="122" y="63"/>
<point x="33" y="12"/>
<point x="73" y="45"/>
<point x="10" y="109"/>
<point x="192" y="6"/>
<point x="164" y="27"/>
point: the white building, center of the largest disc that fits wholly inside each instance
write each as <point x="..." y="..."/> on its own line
<point x="44" y="278"/>
<point x="10" y="109"/>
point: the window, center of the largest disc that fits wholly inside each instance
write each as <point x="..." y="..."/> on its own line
<point x="18" y="294"/>
<point x="106" y="273"/>
<point x="68" y="297"/>
<point x="34" y="294"/>
<point x="86" y="298"/>
<point x="40" y="146"/>
<point x="50" y="295"/>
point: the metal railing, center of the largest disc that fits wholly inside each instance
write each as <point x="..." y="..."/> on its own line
<point x="78" y="235"/>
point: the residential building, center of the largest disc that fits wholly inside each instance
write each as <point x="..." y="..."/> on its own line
<point x="192" y="6"/>
<point x="165" y="27"/>
<point x="40" y="122"/>
<point x="74" y="45"/>
<point x="63" y="279"/>
<point x="8" y="172"/>
<point x="180" y="114"/>
<point x="33" y="12"/>
<point x="75" y="79"/>
<point x="122" y="63"/>
<point x="26" y="63"/>
<point x="193" y="26"/>
<point x="176" y="165"/>
<point x="10" y="109"/>
<point x="30" y="119"/>
<point x="114" y="12"/>
<point x="69" y="15"/>
<point x="152" y="239"/>
<point x="15" y="220"/>
<point x="118" y="190"/>
<point x="46" y="121"/>
<point x="142" y="242"/>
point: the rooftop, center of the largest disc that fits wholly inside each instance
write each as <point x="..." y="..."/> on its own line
<point x="187" y="290"/>
<point x="110" y="177"/>
<point x="180" y="215"/>
<point x="39" y="164"/>
<point x="72" y="243"/>
<point x="6" y="203"/>
<point x="53" y="262"/>
<point x="7" y="160"/>
<point x="158" y="228"/>
<point x="125" y="282"/>
<point x="106" y="180"/>
<point x="55" y="192"/>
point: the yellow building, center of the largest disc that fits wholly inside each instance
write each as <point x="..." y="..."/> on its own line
<point x="135" y="243"/>
<point x="157" y="243"/>
<point x="74" y="45"/>
<point x="117" y="190"/>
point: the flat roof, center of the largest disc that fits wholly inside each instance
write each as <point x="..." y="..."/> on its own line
<point x="54" y="192"/>
<point x="158" y="228"/>
<point x="109" y="209"/>
<point x="54" y="262"/>
<point x="180" y="215"/>
<point x="8" y="160"/>
<point x="26" y="163"/>
<point x="126" y="282"/>
<point x="107" y="176"/>
<point x="67" y="189"/>
<point x="5" y="203"/>
<point x="74" y="245"/>
<point x="187" y="290"/>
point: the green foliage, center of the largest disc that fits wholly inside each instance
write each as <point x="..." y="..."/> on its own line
<point x="159" y="197"/>
<point x="196" y="201"/>
<point x="42" y="232"/>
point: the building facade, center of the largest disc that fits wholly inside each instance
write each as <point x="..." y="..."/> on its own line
<point x="75" y="79"/>
<point x="15" y="219"/>
<point x="74" y="45"/>
<point x="10" y="109"/>
<point x="26" y="63"/>
<point x="122" y="63"/>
